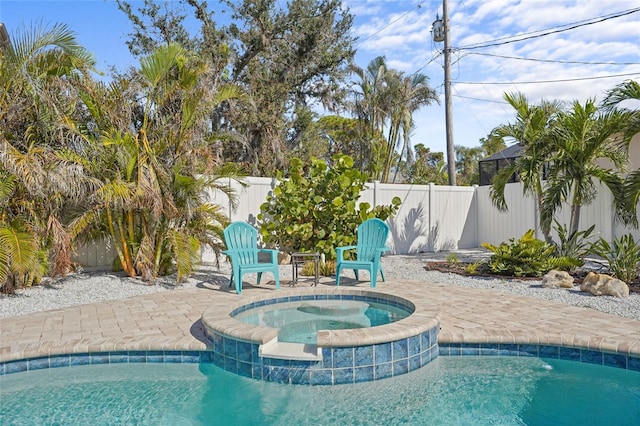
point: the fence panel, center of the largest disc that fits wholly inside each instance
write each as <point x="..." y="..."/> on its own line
<point x="431" y="217"/>
<point x="410" y="227"/>
<point x="495" y="226"/>
<point x="453" y="221"/>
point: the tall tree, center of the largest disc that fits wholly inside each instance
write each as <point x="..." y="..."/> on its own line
<point x="38" y="71"/>
<point x="331" y="135"/>
<point x="582" y="137"/>
<point x="387" y="99"/>
<point x="467" y="164"/>
<point x="151" y="199"/>
<point x="492" y="144"/>
<point x="408" y="93"/>
<point x="429" y="167"/>
<point x="616" y="97"/>
<point x="531" y="130"/>
<point x="285" y="58"/>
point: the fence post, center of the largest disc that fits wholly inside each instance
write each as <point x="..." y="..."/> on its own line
<point x="476" y="213"/>
<point x="430" y="239"/>
<point x="375" y="192"/>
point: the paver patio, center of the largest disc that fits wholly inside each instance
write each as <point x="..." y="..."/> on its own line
<point x="171" y="321"/>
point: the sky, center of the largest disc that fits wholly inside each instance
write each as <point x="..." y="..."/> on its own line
<point x="552" y="63"/>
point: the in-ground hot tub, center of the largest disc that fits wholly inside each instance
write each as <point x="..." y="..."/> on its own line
<point x="300" y="321"/>
<point x="339" y="354"/>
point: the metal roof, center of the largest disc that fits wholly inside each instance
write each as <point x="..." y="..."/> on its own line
<point x="512" y="151"/>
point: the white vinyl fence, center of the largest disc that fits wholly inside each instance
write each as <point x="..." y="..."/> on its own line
<point x="431" y="217"/>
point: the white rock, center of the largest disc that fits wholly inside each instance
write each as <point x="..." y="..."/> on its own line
<point x="604" y="285"/>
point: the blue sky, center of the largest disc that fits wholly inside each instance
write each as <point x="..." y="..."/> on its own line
<point x="596" y="57"/>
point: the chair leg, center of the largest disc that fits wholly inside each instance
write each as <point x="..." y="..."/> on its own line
<point x="373" y="274"/>
<point x="259" y="277"/>
<point x="231" y="280"/>
<point x="238" y="276"/>
<point x="355" y="272"/>
<point x="382" y="273"/>
<point x="338" y="268"/>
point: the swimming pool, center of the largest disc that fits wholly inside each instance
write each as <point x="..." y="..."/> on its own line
<point x="448" y="391"/>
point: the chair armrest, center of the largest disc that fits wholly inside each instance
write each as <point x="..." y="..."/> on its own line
<point x="340" y="251"/>
<point x="272" y="252"/>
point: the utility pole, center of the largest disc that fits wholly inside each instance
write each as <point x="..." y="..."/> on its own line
<point x="451" y="160"/>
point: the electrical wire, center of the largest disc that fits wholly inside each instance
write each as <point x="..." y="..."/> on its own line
<point x="548" y="31"/>
<point x="553" y="61"/>
<point x="418" y="6"/>
<point x="549" y="81"/>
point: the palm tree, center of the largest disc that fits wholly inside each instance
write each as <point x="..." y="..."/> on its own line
<point x="386" y="95"/>
<point x="370" y="100"/>
<point x="408" y="94"/>
<point x="629" y="90"/>
<point x="151" y="199"/>
<point x="38" y="71"/>
<point x="531" y="131"/>
<point x="581" y="137"/>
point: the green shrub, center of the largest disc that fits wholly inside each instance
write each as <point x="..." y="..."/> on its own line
<point x="318" y="209"/>
<point x="623" y="257"/>
<point x="452" y="259"/>
<point x="525" y="257"/>
<point x="325" y="269"/>
<point x="576" y="245"/>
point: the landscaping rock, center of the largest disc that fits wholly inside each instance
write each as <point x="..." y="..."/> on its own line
<point x="557" y="279"/>
<point x="284" y="258"/>
<point x="604" y="285"/>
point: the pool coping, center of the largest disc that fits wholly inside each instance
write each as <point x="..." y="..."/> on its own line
<point x="424" y="317"/>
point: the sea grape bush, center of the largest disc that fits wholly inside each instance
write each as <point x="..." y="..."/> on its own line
<point x="316" y="208"/>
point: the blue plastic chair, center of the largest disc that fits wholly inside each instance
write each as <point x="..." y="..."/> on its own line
<point x="372" y="237"/>
<point x="242" y="248"/>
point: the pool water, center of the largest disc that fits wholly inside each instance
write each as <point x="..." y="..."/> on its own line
<point x="299" y="322"/>
<point x="448" y="391"/>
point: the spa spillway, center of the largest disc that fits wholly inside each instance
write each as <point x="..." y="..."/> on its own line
<point x="323" y="336"/>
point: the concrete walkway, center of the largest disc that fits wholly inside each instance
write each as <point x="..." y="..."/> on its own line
<point x="171" y="321"/>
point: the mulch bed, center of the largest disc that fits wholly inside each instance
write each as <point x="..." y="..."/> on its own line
<point x="460" y="268"/>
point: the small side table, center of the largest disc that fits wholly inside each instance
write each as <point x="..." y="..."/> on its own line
<point x="299" y="259"/>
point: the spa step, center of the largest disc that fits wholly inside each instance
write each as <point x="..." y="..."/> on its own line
<point x="294" y="351"/>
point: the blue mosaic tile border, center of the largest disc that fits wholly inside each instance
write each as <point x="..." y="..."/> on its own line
<point x="383" y="299"/>
<point x="338" y="365"/>
<point x="606" y="359"/>
<point x="116" y="357"/>
<point x="341" y="371"/>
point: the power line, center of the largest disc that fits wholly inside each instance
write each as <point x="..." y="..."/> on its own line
<point x="548" y="31"/>
<point x="481" y="100"/>
<point x="549" y="81"/>
<point x="554" y="61"/>
<point x="418" y="6"/>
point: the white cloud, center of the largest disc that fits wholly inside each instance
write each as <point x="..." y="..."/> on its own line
<point x="407" y="44"/>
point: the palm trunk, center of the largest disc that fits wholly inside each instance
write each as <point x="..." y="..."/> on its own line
<point x="545" y="226"/>
<point x="121" y="247"/>
<point x="574" y="222"/>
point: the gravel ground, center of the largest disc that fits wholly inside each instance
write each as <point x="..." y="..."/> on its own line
<point x="92" y="287"/>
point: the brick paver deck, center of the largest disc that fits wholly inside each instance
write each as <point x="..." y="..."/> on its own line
<point x="171" y="321"/>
